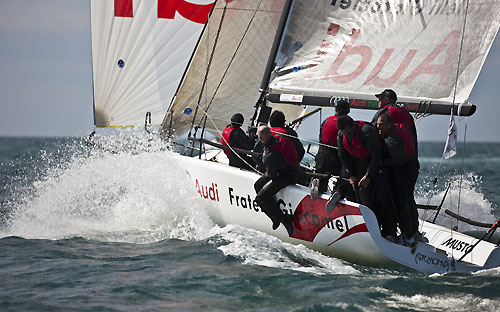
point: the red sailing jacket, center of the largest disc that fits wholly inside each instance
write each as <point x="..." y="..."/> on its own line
<point x="404" y="134"/>
<point x="286" y="148"/>
<point x="225" y="138"/>
<point x="357" y="149"/>
<point x="330" y="131"/>
<point x="276" y="131"/>
<point x="400" y="115"/>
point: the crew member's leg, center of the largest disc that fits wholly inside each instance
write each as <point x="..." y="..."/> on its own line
<point x="324" y="164"/>
<point x="383" y="207"/>
<point x="268" y="203"/>
<point x="401" y="185"/>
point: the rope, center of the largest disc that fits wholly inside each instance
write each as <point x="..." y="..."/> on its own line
<point x="220" y="134"/>
<point x="291" y="136"/>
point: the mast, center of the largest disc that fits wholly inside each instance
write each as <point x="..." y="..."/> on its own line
<point x="262" y="111"/>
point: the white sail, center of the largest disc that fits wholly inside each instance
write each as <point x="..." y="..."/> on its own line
<point x="234" y="73"/>
<point x="140" y="49"/>
<point x="358" y="48"/>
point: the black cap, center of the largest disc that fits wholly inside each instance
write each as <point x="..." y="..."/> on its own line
<point x="388" y="93"/>
<point x="342" y="105"/>
<point x="237" y="120"/>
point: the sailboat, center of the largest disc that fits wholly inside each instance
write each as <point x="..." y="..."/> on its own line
<point x="255" y="56"/>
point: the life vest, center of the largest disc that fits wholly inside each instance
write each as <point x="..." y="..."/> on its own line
<point x="226" y="134"/>
<point x="330" y="131"/>
<point x="356" y="148"/>
<point x="404" y="134"/>
<point x="400" y="115"/>
<point x="286" y="148"/>
<point x="277" y="131"/>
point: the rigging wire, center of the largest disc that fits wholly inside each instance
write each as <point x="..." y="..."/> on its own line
<point x="291" y="136"/>
<point x="232" y="57"/>
<point x="208" y="67"/>
<point x="453" y="107"/>
<point x="454" y="95"/>
<point x="220" y="134"/>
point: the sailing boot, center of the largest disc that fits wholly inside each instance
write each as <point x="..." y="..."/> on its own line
<point x="413" y="240"/>
<point x="332" y="201"/>
<point x="314" y="189"/>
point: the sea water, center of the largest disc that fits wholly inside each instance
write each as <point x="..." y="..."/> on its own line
<point x="120" y="227"/>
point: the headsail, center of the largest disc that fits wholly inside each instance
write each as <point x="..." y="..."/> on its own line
<point x="355" y="49"/>
<point x="140" y="49"/>
<point x="242" y="32"/>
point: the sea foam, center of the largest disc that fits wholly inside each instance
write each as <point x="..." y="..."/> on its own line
<point x="137" y="195"/>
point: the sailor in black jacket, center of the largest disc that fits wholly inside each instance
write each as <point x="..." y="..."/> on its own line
<point x="280" y="163"/>
<point x="401" y="168"/>
<point x="234" y="136"/>
<point x="361" y="154"/>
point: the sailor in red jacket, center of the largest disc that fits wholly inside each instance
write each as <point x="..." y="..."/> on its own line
<point x="387" y="103"/>
<point x="234" y="136"/>
<point x="278" y="128"/>
<point x="401" y="167"/>
<point x="361" y="155"/>
<point x="280" y="163"/>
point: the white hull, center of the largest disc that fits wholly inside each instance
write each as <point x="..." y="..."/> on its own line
<point x="349" y="232"/>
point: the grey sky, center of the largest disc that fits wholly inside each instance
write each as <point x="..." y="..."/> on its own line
<point x="46" y="83"/>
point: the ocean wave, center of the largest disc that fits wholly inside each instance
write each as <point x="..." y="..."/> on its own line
<point x="257" y="248"/>
<point x="138" y="195"/>
<point x="464" y="197"/>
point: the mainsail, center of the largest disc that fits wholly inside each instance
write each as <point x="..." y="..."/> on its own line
<point x="228" y="66"/>
<point x="421" y="49"/>
<point x="140" y="49"/>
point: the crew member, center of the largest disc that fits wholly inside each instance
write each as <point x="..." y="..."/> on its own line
<point x="387" y="103"/>
<point x="277" y="122"/>
<point x="278" y="128"/>
<point x="280" y="162"/>
<point x="401" y="167"/>
<point x="234" y="136"/>
<point x="327" y="159"/>
<point x="361" y="155"/>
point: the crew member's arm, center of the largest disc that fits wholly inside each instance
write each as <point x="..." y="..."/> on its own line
<point x="239" y="138"/>
<point x="347" y="161"/>
<point x="272" y="162"/>
<point x="396" y="150"/>
<point x="345" y="158"/>
<point x="413" y="131"/>
<point x="369" y="137"/>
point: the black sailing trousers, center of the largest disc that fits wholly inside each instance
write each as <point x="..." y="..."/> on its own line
<point x="266" y="188"/>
